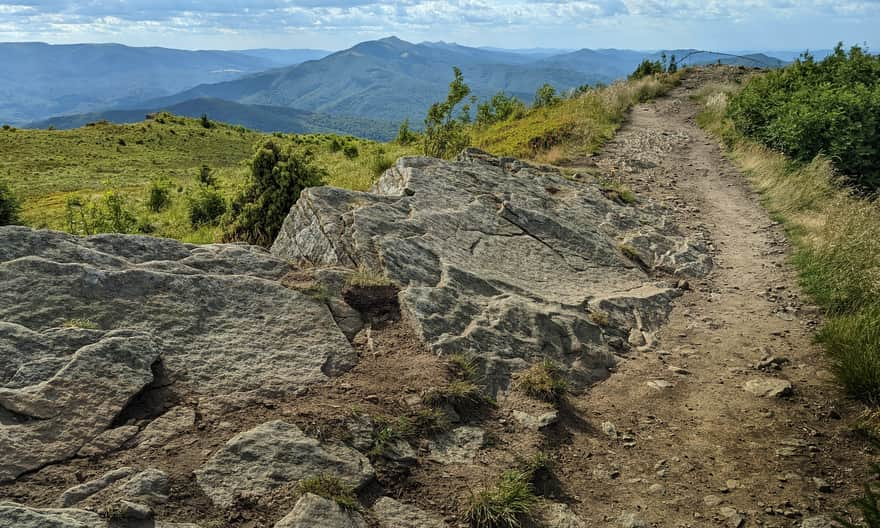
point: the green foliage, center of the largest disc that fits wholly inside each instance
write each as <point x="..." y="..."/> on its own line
<point x="366" y="277"/>
<point x="405" y="135"/>
<point x="159" y="195"/>
<point x="853" y="342"/>
<point x="544" y="381"/>
<point x="111" y="213"/>
<point x="545" y="96"/>
<point x="380" y="162"/>
<point x="500" y="108"/>
<point x="673" y="65"/>
<point x="205" y="122"/>
<point x="9" y="205"/>
<point x="205" y="206"/>
<point x="331" y="488"/>
<point x="278" y="176"/>
<point x="507" y="504"/>
<point x="335" y="145"/>
<point x="646" y="69"/>
<point x="206" y="177"/>
<point x="350" y="151"/>
<point x="830" y="107"/>
<point x="445" y="135"/>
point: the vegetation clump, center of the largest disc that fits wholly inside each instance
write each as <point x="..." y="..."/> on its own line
<point x="811" y="108"/>
<point x="331" y="488"/>
<point x="546" y="96"/>
<point x="278" y="175"/>
<point x="9" y="205"/>
<point x="206" y="207"/>
<point x="446" y="133"/>
<point x="158" y="196"/>
<point x="507" y="504"/>
<point x="544" y="381"/>
<point x="500" y="108"/>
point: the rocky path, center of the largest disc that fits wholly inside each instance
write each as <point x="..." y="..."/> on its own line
<point x="733" y="420"/>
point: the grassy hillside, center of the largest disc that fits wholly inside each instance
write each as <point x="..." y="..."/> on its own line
<point x="47" y="168"/>
<point x="256" y="117"/>
<point x="572" y="127"/>
<point x="833" y="227"/>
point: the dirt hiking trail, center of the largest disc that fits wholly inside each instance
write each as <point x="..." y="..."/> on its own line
<point x="687" y="439"/>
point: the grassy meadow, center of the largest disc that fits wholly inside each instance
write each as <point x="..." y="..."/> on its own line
<point x="111" y="171"/>
<point x="47" y="168"/>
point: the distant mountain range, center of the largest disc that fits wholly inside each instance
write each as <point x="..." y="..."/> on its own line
<point x="40" y="80"/>
<point x="358" y="90"/>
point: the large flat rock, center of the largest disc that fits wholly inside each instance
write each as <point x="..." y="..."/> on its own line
<point x="499" y="258"/>
<point x="216" y="317"/>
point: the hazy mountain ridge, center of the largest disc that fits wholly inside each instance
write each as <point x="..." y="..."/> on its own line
<point x="363" y="88"/>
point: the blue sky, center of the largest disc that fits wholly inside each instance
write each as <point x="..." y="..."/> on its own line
<point x="336" y="24"/>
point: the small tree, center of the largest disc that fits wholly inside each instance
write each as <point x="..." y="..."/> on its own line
<point x="159" y="196"/>
<point x="205" y="176"/>
<point x="206" y="122"/>
<point x="445" y="135"/>
<point x="9" y="205"/>
<point x="673" y="66"/>
<point x="278" y="176"/>
<point x="645" y="69"/>
<point x="500" y="108"/>
<point x="405" y="135"/>
<point x="545" y="96"/>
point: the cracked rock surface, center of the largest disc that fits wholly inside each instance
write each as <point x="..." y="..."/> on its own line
<point x="85" y="323"/>
<point x="501" y="259"/>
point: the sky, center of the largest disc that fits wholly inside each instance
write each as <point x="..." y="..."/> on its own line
<point x="337" y="24"/>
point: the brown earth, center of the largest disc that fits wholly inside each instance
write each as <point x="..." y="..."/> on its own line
<point x="700" y="451"/>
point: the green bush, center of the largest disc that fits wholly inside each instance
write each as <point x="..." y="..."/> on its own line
<point x="405" y="135"/>
<point x="445" y="134"/>
<point x="545" y="96"/>
<point x="205" y="176"/>
<point x="206" y="206"/>
<point x="646" y="69"/>
<point x="111" y="213"/>
<point x="380" y="162"/>
<point x="159" y="196"/>
<point x="278" y="176"/>
<point x="500" y="108"/>
<point x="9" y="205"/>
<point x="331" y="488"/>
<point x="853" y="343"/>
<point x="830" y="107"/>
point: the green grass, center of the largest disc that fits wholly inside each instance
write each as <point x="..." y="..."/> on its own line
<point x="837" y="250"/>
<point x="80" y="323"/>
<point x="424" y="423"/>
<point x="45" y="168"/>
<point x="365" y="277"/>
<point x="331" y="488"/>
<point x="507" y="504"/>
<point x="544" y="381"/>
<point x="573" y="127"/>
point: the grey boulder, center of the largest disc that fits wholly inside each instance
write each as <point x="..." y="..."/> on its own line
<point x="312" y="511"/>
<point x="258" y="461"/>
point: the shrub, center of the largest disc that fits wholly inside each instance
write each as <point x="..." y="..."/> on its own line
<point x="109" y="214"/>
<point x="500" y="108"/>
<point x="811" y="108"/>
<point x="445" y="135"/>
<point x="159" y="196"/>
<point x="544" y="381"/>
<point x="331" y="488"/>
<point x="380" y="163"/>
<point x="405" y="135"/>
<point x="9" y="205"/>
<point x="205" y="122"/>
<point x="507" y="504"/>
<point x="205" y="176"/>
<point x="335" y="145"/>
<point x="646" y="69"/>
<point x="278" y="176"/>
<point x="545" y="96"/>
<point x="365" y="277"/>
<point x="86" y="324"/>
<point x="350" y="151"/>
<point x="205" y="206"/>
